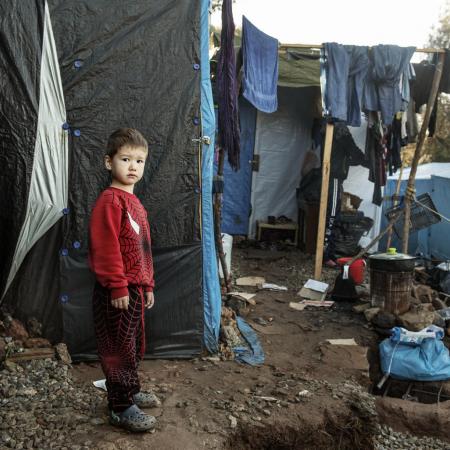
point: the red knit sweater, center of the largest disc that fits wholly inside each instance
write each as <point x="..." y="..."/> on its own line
<point x="120" y="245"/>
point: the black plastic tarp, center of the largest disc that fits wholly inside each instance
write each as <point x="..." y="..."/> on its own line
<point x="21" y="36"/>
<point x="132" y="64"/>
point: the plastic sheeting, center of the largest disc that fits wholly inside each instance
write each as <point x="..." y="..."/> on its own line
<point x="431" y="241"/>
<point x="282" y="140"/>
<point x="212" y="300"/>
<point x="48" y="186"/>
<point x="20" y="69"/>
<point x="174" y="326"/>
<point x="237" y="185"/>
<point x="358" y="183"/>
<point x="135" y="65"/>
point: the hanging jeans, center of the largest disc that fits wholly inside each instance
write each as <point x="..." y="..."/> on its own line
<point x="333" y="210"/>
<point x="121" y="344"/>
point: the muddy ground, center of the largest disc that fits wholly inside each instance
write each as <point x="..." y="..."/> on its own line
<point x="214" y="404"/>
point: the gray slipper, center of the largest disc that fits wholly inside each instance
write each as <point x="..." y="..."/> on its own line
<point x="132" y="419"/>
<point x="146" y="400"/>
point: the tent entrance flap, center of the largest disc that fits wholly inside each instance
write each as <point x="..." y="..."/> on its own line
<point x="282" y="140"/>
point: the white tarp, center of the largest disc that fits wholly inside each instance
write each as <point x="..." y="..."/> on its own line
<point x="49" y="181"/>
<point x="281" y="141"/>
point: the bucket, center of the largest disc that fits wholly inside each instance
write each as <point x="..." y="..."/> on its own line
<point x="356" y="269"/>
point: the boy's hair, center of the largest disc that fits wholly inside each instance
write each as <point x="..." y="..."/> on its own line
<point x="125" y="137"/>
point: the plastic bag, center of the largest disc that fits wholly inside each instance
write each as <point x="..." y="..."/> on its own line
<point x="420" y="356"/>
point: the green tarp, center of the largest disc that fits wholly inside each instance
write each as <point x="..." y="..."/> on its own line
<point x="299" y="68"/>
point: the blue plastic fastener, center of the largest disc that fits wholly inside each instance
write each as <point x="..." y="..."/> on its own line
<point x="78" y="64"/>
<point x="64" y="251"/>
<point x="76" y="244"/>
<point x="77" y="133"/>
<point x="66" y="211"/>
<point x="196" y="120"/>
<point x="64" y="298"/>
<point x="65" y="126"/>
<point x="196" y="66"/>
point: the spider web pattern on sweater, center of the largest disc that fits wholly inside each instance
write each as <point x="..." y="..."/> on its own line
<point x="119" y="336"/>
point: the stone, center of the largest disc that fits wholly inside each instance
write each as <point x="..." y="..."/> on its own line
<point x="361" y="308"/>
<point x="384" y="319"/>
<point x="438" y="320"/>
<point x="62" y="353"/>
<point x="34" y="327"/>
<point x="2" y="348"/>
<point x="233" y="421"/>
<point x="17" y="331"/>
<point x="370" y="313"/>
<point x="37" y="343"/>
<point x="417" y="318"/>
<point x="423" y="293"/>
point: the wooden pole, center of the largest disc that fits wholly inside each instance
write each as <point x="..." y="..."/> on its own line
<point x="323" y="200"/>
<point x="395" y="203"/>
<point x="217" y="224"/>
<point x="418" y="152"/>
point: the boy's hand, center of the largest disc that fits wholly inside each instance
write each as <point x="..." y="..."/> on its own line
<point x="120" y="303"/>
<point x="149" y="300"/>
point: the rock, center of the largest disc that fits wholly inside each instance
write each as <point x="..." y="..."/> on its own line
<point x="384" y="319"/>
<point x="370" y="313"/>
<point x="438" y="320"/>
<point x="438" y="303"/>
<point x="417" y="318"/>
<point x="361" y="308"/>
<point x="233" y="421"/>
<point x="37" y="343"/>
<point x="17" y="331"/>
<point x="363" y="291"/>
<point x="423" y="293"/>
<point x="63" y="354"/>
<point x="34" y="328"/>
<point x="2" y="348"/>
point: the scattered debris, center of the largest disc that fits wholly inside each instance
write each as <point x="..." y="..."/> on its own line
<point x="342" y="341"/>
<point x="273" y="287"/>
<point x="250" y="281"/>
<point x="248" y="297"/>
<point x="298" y="306"/>
<point x="370" y="313"/>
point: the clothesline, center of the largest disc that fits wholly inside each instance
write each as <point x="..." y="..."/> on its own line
<point x="319" y="46"/>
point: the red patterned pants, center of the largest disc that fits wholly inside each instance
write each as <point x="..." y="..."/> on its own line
<point x="120" y="342"/>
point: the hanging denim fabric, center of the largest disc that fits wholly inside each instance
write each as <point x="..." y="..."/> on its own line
<point x="260" y="60"/>
<point x="387" y="64"/>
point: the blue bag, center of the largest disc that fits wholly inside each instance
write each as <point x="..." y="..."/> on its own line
<point x="420" y="356"/>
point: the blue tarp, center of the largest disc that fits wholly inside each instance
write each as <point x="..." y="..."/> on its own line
<point x="432" y="241"/>
<point x="253" y="354"/>
<point x="211" y="289"/>
<point x="237" y="188"/>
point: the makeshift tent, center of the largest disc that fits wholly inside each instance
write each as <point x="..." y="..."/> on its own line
<point x="71" y="72"/>
<point x="300" y="67"/>
<point x="275" y="145"/>
<point x="434" y="179"/>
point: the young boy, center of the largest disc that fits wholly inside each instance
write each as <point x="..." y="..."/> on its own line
<point x="120" y="257"/>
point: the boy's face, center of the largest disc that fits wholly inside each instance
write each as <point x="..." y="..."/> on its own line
<point x="127" y="166"/>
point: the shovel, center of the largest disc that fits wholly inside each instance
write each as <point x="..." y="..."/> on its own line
<point x="344" y="286"/>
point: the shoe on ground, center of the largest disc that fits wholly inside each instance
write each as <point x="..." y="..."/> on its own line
<point x="146" y="400"/>
<point x="132" y="419"/>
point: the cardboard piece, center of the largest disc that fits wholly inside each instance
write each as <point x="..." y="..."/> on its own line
<point x="250" y="281"/>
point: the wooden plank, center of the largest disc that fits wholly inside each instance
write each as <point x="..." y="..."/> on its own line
<point x="35" y="353"/>
<point x="410" y="190"/>
<point x="319" y="46"/>
<point x="323" y="200"/>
